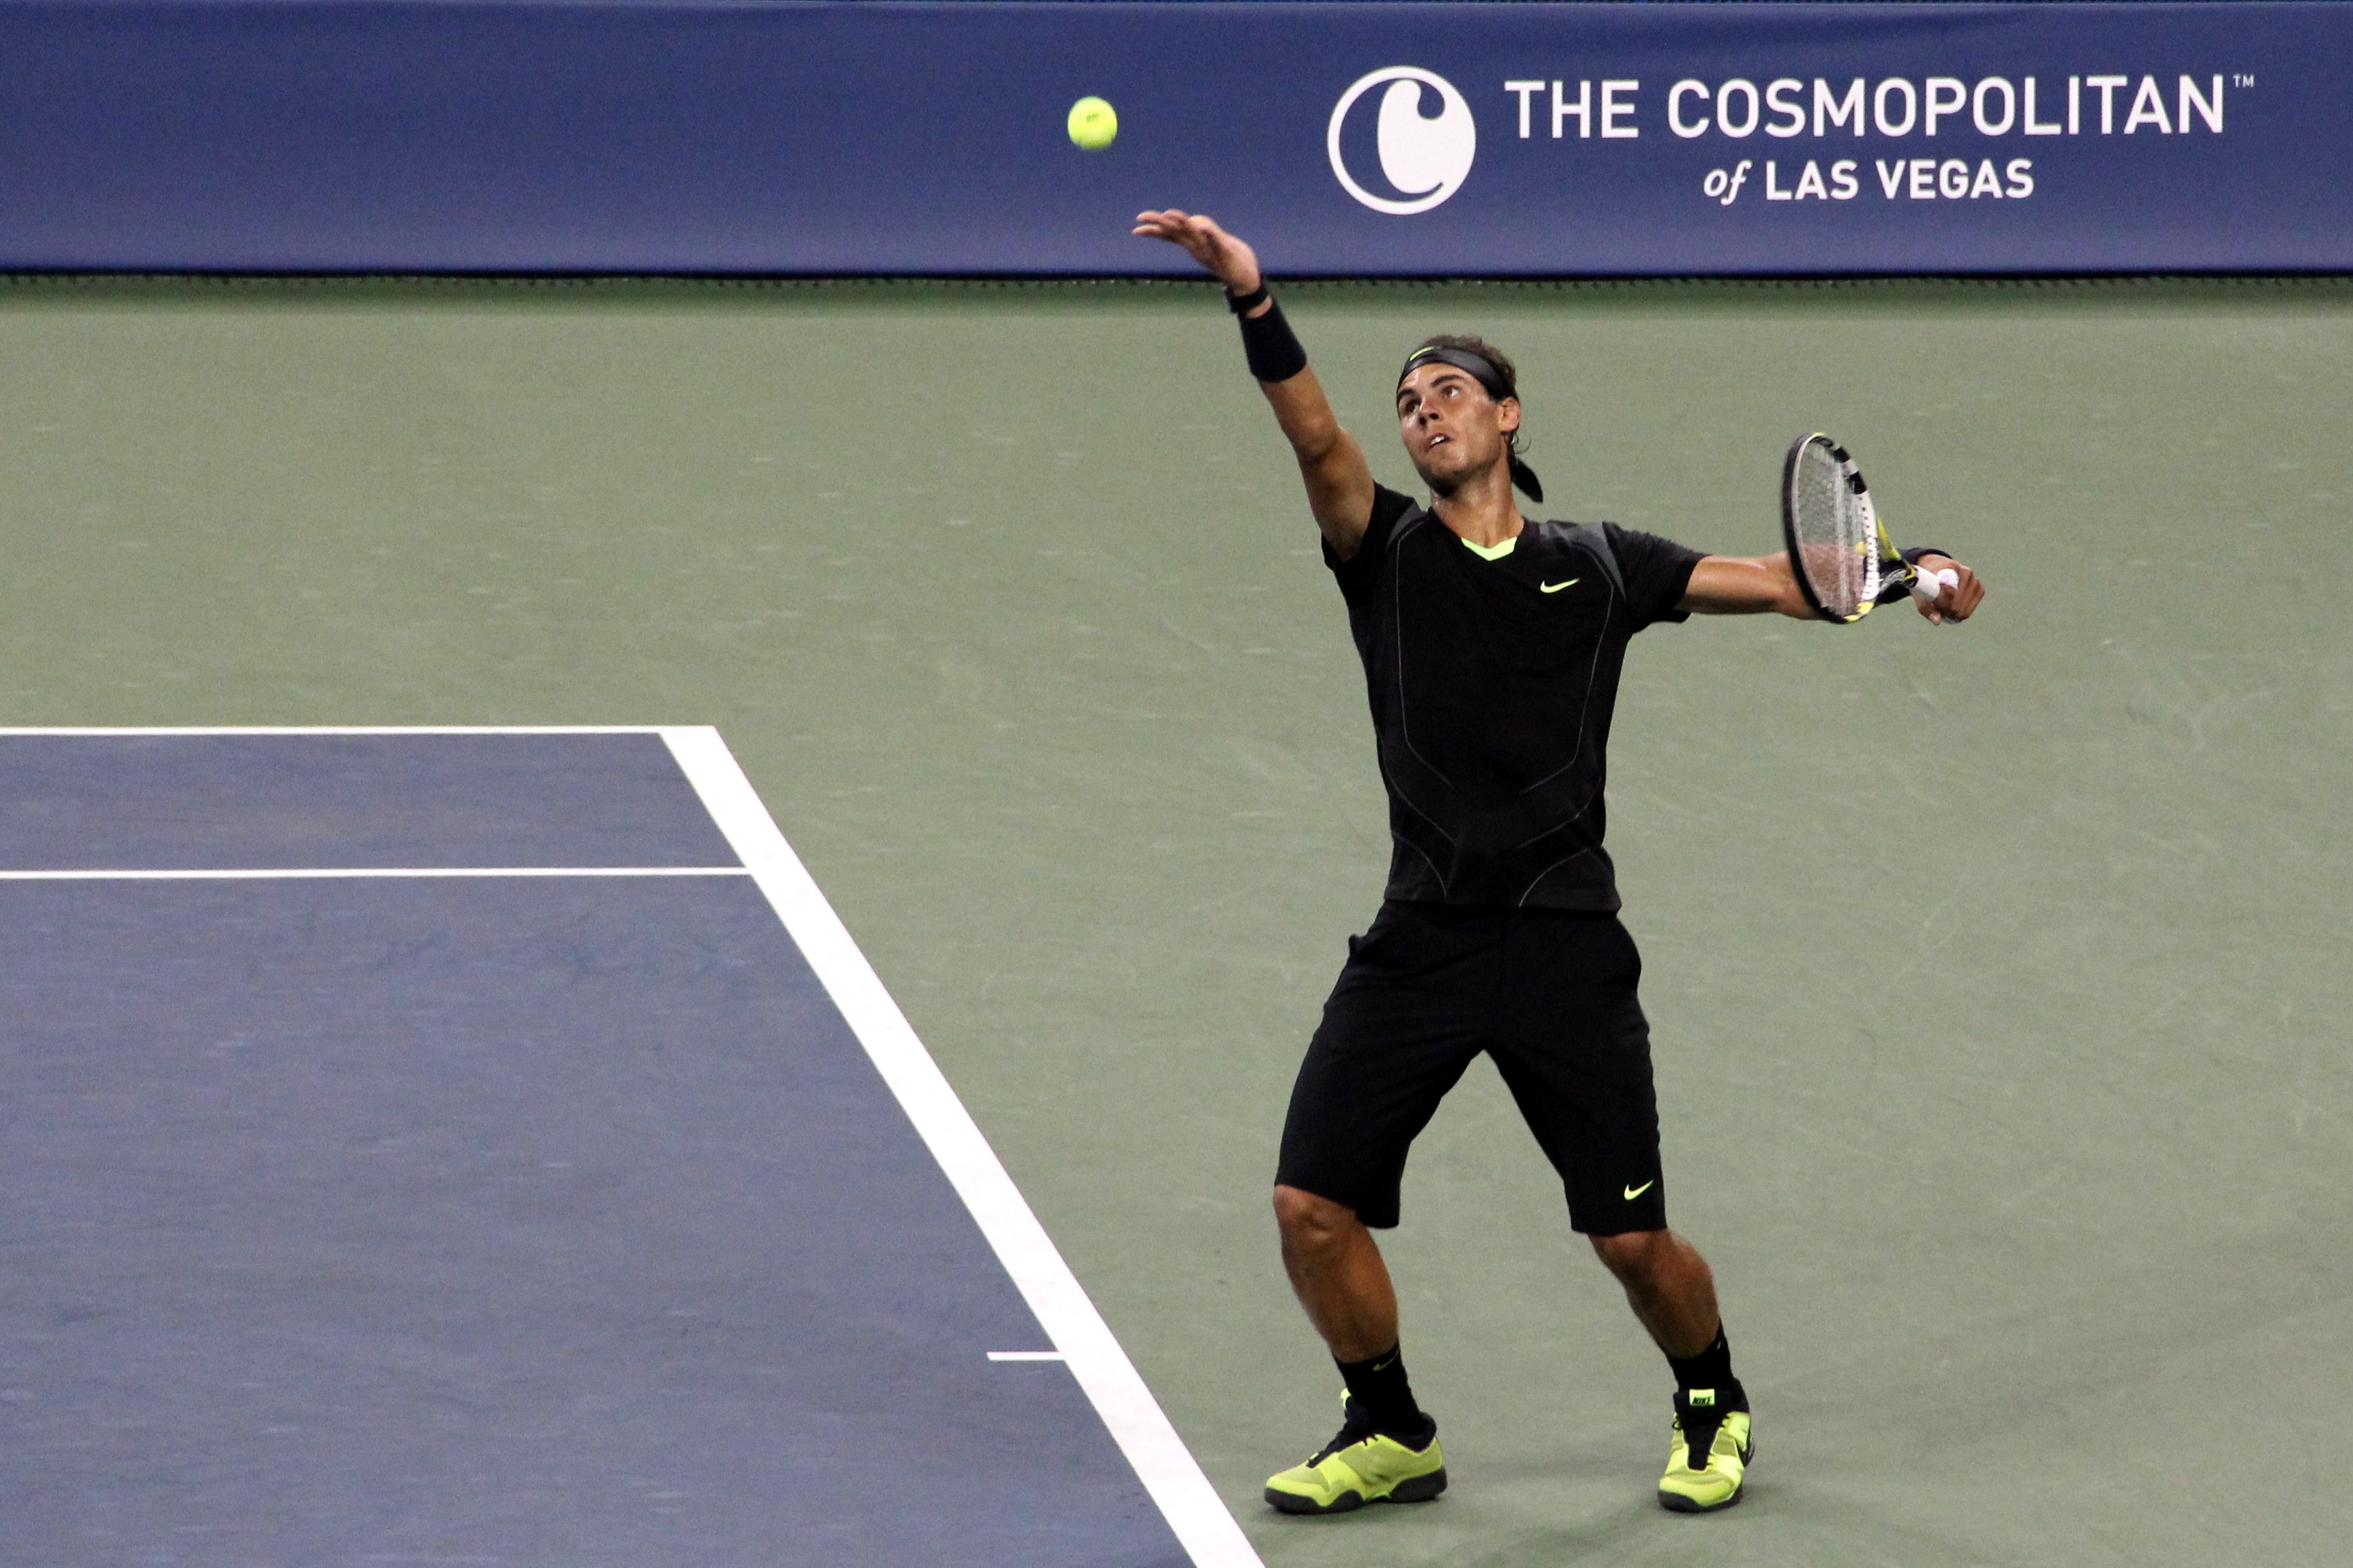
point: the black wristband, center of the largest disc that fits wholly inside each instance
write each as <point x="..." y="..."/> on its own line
<point x="1244" y="304"/>
<point x="1271" y="347"/>
<point x="1912" y="556"/>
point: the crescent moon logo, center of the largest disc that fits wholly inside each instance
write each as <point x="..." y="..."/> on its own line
<point x="1424" y="157"/>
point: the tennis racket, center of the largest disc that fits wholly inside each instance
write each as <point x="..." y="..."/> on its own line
<point x="1845" y="564"/>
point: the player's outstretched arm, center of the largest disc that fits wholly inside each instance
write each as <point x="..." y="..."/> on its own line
<point x="1339" y="481"/>
<point x="1746" y="586"/>
<point x="1754" y="585"/>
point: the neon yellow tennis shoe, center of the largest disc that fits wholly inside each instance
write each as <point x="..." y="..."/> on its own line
<point x="1355" y="1467"/>
<point x="1710" y="1456"/>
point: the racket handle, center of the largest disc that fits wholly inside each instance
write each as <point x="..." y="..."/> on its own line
<point x="1928" y="586"/>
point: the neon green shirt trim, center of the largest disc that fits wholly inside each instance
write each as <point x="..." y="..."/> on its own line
<point x="1491" y="551"/>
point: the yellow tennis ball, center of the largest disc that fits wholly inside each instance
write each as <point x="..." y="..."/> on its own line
<point x="1093" y="123"/>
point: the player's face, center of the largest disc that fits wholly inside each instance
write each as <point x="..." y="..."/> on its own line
<point x="1451" y="429"/>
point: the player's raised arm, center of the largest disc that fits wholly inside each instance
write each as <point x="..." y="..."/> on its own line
<point x="1755" y="584"/>
<point x="1339" y="481"/>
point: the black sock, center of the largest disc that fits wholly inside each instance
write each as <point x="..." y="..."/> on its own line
<point x="1710" y="1373"/>
<point x="1380" y="1400"/>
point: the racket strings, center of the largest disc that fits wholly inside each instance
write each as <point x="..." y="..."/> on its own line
<point x="1836" y="534"/>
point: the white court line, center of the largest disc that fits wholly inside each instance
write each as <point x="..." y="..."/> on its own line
<point x="1168" y="1470"/>
<point x="327" y="873"/>
<point x="1027" y="1355"/>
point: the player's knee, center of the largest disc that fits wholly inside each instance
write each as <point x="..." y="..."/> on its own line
<point x="1633" y="1254"/>
<point x="1307" y="1220"/>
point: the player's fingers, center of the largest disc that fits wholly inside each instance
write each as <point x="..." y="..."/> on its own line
<point x="1182" y="231"/>
<point x="1200" y="237"/>
<point x="1171" y="224"/>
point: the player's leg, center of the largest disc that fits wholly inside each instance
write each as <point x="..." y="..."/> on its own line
<point x="1336" y="1272"/>
<point x="1575" y="1053"/>
<point x="1672" y="1291"/>
<point x="1395" y="1037"/>
<point x="1667" y="1284"/>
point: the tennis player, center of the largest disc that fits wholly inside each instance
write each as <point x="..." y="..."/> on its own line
<point x="1492" y="646"/>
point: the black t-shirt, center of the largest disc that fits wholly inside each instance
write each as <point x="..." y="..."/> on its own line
<point x="1492" y="684"/>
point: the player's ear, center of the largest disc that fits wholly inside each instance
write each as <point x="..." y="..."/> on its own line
<point x="1508" y="415"/>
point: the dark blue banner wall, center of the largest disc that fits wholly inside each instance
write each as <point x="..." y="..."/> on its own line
<point x="453" y="135"/>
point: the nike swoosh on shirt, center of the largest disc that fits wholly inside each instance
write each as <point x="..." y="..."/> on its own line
<point x="1557" y="587"/>
<point x="1633" y="1192"/>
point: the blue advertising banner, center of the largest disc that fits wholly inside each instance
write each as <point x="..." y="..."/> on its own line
<point x="1344" y="138"/>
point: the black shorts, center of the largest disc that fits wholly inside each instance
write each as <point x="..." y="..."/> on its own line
<point x="1549" y="994"/>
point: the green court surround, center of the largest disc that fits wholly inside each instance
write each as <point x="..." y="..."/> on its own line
<point x="1998" y="975"/>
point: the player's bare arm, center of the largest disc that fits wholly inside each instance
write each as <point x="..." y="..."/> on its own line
<point x="1339" y="481"/>
<point x="1761" y="584"/>
<point x="1746" y="586"/>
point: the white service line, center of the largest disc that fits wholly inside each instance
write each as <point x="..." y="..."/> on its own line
<point x="1168" y="1470"/>
<point x="1027" y="1355"/>
<point x="332" y="873"/>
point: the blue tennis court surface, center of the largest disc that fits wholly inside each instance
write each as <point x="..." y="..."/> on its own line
<point x="435" y="1148"/>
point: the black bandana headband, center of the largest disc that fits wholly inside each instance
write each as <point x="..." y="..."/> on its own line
<point x="1484" y="372"/>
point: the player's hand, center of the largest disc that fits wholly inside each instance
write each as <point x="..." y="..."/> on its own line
<point x="1235" y="264"/>
<point x="1955" y="601"/>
